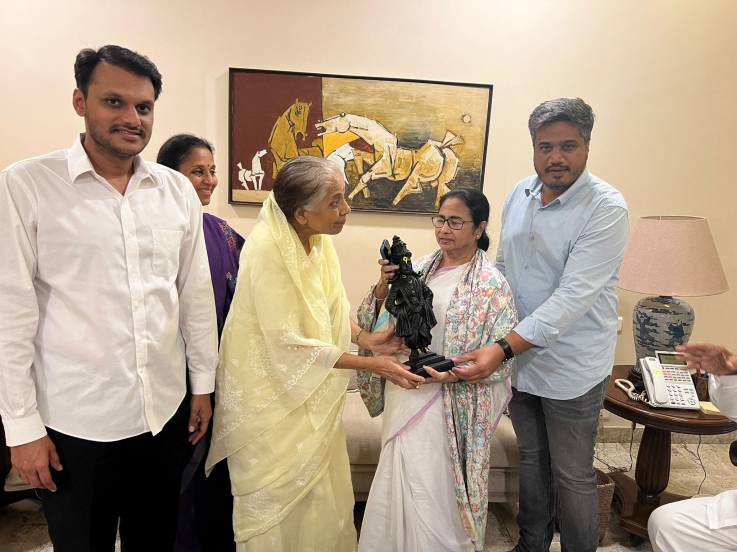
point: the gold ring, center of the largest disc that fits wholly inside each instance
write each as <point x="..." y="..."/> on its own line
<point x="417" y="385"/>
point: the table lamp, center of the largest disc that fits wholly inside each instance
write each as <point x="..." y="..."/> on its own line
<point x="668" y="256"/>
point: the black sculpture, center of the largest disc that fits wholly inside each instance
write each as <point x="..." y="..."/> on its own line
<point x="410" y="302"/>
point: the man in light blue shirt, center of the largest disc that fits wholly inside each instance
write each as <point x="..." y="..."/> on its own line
<point x="562" y="240"/>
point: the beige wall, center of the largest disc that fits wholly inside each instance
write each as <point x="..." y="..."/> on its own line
<point x="661" y="76"/>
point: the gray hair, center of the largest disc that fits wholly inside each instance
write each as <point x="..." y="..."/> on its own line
<point x="302" y="182"/>
<point x="571" y="110"/>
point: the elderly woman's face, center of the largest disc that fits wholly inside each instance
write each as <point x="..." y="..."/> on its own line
<point x="455" y="212"/>
<point x="329" y="216"/>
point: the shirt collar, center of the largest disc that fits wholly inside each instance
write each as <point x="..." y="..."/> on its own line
<point x="535" y="188"/>
<point x="79" y="163"/>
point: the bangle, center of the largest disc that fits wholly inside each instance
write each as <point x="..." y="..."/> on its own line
<point x="360" y="331"/>
<point x="506" y="347"/>
<point x="377" y="297"/>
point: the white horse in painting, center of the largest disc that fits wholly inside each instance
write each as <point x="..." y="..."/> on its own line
<point x="434" y="162"/>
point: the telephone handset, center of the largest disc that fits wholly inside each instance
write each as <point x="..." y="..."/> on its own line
<point x="652" y="374"/>
<point x="666" y="387"/>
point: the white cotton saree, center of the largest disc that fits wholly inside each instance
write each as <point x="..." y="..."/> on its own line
<point x="480" y="310"/>
<point x="279" y="400"/>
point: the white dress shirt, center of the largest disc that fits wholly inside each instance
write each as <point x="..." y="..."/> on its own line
<point x="105" y="299"/>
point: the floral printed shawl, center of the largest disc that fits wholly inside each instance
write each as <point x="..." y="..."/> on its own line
<point x="481" y="310"/>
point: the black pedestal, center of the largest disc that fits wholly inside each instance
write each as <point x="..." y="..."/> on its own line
<point x="437" y="362"/>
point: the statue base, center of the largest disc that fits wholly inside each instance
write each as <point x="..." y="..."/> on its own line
<point x="437" y="362"/>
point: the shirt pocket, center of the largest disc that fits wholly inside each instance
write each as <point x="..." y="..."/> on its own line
<point x="166" y="246"/>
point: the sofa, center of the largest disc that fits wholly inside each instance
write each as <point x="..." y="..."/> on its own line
<point x="363" y="435"/>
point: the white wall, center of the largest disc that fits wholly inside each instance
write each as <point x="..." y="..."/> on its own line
<point x="661" y="76"/>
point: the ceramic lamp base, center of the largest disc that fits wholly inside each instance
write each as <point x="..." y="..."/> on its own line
<point x="660" y="324"/>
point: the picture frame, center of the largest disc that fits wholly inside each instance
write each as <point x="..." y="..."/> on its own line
<point x="401" y="143"/>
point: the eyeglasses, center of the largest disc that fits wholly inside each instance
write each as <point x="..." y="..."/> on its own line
<point x="455" y="223"/>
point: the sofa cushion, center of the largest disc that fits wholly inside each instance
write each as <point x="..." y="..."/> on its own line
<point x="363" y="433"/>
<point x="504" y="453"/>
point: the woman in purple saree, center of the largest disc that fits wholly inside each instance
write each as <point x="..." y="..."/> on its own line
<point x="206" y="505"/>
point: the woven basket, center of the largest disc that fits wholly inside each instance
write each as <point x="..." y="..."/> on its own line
<point x="605" y="488"/>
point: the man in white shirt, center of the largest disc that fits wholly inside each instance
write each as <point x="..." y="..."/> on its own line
<point x="703" y="523"/>
<point x="107" y="310"/>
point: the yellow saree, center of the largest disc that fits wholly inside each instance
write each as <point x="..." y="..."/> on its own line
<point x="278" y="399"/>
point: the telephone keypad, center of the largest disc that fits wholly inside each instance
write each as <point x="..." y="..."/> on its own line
<point x="681" y="393"/>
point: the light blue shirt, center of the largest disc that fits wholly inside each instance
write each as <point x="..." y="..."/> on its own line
<point x="562" y="261"/>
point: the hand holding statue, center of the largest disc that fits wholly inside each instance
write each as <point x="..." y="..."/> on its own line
<point x="484" y="362"/>
<point x="383" y="342"/>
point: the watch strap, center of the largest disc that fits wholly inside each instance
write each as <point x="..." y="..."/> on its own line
<point x="506" y="347"/>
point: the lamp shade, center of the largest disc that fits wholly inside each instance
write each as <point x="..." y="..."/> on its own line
<point x="672" y="255"/>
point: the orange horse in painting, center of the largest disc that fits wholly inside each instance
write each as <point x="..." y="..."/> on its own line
<point x="283" y="138"/>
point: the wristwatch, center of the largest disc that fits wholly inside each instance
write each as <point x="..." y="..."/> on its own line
<point x="506" y="347"/>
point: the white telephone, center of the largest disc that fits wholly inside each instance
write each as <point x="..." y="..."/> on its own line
<point x="667" y="387"/>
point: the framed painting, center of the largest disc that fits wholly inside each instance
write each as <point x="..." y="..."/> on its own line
<point x="401" y="143"/>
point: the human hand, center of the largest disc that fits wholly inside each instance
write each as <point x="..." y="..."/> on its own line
<point x="200" y="413"/>
<point x="32" y="460"/>
<point x="484" y="362"/>
<point x="397" y="373"/>
<point x="440" y="377"/>
<point x="706" y="357"/>
<point x="386" y="273"/>
<point x="384" y="342"/>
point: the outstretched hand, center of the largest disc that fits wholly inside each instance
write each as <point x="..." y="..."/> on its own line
<point x="397" y="373"/>
<point x="384" y="342"/>
<point x="440" y="377"/>
<point x="707" y="357"/>
<point x="483" y="363"/>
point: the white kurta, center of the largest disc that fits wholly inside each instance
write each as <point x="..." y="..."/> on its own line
<point x="412" y="504"/>
<point x="702" y="523"/>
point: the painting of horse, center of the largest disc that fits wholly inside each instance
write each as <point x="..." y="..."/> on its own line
<point x="401" y="144"/>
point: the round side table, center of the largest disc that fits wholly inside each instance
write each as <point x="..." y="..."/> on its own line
<point x="639" y="497"/>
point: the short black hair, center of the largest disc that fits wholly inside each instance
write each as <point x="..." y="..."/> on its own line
<point x="477" y="203"/>
<point x="175" y="150"/>
<point x="129" y="60"/>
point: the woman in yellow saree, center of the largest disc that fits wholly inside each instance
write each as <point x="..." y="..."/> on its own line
<point x="279" y="398"/>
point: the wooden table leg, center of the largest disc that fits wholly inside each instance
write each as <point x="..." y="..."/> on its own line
<point x="653" y="465"/>
<point x="641" y="496"/>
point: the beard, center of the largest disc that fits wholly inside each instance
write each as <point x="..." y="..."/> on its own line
<point x="558" y="188"/>
<point x="104" y="143"/>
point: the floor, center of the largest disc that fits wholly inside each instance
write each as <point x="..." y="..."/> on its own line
<point x="22" y="527"/>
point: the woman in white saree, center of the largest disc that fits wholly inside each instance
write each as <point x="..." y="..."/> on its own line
<point x="279" y="397"/>
<point x="430" y="489"/>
